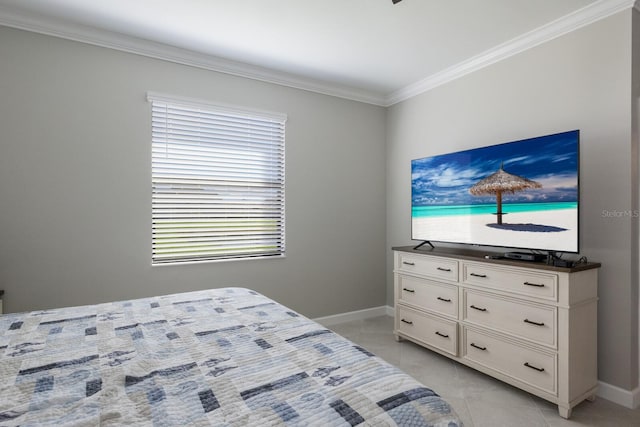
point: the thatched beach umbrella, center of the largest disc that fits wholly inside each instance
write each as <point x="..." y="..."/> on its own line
<point x="502" y="182"/>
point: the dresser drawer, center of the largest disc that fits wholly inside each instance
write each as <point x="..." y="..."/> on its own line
<point x="434" y="267"/>
<point x="529" y="366"/>
<point x="431" y="330"/>
<point x="534" y="322"/>
<point x="425" y="294"/>
<point x="512" y="280"/>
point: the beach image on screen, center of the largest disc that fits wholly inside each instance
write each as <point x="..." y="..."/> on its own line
<point x="521" y="194"/>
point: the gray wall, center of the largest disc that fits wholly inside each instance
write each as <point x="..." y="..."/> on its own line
<point x="579" y="81"/>
<point x="635" y="170"/>
<point x="75" y="192"/>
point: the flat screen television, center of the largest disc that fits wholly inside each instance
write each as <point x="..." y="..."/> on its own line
<point x="522" y="194"/>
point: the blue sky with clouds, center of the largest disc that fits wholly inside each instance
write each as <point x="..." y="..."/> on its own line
<point x="551" y="160"/>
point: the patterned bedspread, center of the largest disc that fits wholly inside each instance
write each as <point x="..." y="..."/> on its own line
<point x="222" y="357"/>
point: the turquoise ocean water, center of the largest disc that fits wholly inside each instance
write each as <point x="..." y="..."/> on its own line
<point x="432" y="211"/>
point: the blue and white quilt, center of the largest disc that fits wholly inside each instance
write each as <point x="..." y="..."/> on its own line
<point x="221" y="357"/>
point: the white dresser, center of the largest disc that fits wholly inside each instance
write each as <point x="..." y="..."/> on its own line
<point x="531" y="325"/>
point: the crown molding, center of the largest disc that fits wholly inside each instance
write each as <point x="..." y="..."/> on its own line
<point x="80" y="33"/>
<point x="589" y="14"/>
<point x="84" y="34"/>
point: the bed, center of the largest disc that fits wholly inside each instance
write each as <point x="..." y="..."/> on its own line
<point x="220" y="357"/>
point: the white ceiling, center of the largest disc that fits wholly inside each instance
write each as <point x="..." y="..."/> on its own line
<point x="369" y="47"/>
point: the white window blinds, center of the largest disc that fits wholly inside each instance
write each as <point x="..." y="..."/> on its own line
<point x="217" y="182"/>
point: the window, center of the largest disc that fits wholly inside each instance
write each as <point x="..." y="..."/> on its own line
<point x="217" y="182"/>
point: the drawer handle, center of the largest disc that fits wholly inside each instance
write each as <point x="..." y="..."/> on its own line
<point x="533" y="367"/>
<point x="442" y="335"/>
<point x="444" y="269"/>
<point x="534" y="323"/>
<point x="478" y="275"/>
<point x="408" y="263"/>
<point x="444" y="299"/>
<point x="406" y="321"/>
<point x="537" y="285"/>
<point x="478" y="308"/>
<point x="478" y="347"/>
<point x="409" y="290"/>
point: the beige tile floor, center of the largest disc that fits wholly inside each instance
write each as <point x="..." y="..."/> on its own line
<point x="478" y="399"/>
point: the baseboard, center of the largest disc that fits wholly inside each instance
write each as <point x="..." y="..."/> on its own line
<point x="367" y="313"/>
<point x="627" y="398"/>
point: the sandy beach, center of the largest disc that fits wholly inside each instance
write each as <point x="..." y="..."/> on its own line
<point x="474" y="229"/>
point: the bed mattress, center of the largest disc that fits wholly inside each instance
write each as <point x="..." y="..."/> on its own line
<point x="220" y="357"/>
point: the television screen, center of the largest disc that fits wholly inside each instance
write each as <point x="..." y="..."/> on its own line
<point x="521" y="194"/>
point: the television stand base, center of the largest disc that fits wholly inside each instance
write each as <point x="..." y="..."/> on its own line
<point x="426" y="242"/>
